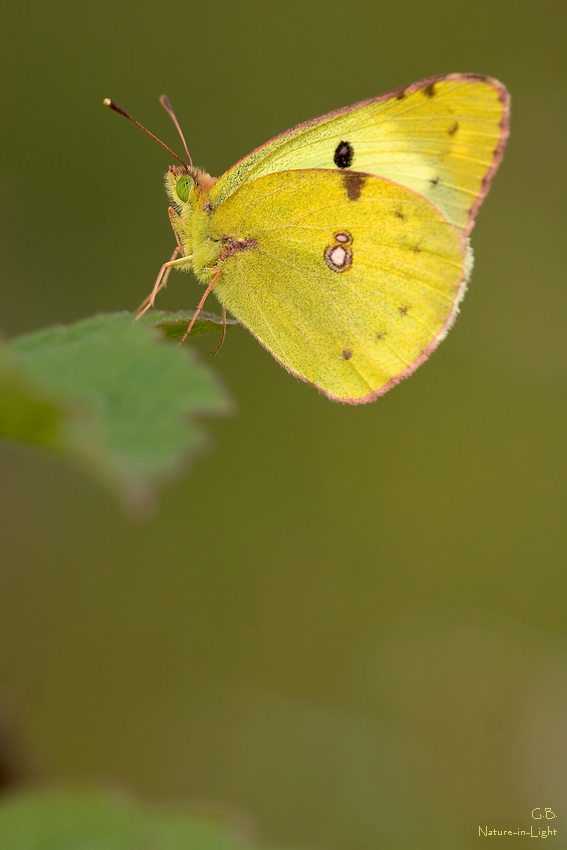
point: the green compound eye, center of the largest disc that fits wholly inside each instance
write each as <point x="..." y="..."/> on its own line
<point x="183" y="187"/>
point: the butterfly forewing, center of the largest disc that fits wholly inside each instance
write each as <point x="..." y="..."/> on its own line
<point x="349" y="280"/>
<point x="442" y="137"/>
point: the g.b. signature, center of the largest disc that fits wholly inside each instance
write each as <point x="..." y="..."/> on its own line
<point x="549" y="814"/>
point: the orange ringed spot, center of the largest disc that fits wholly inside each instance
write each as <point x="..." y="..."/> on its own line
<point x="338" y="258"/>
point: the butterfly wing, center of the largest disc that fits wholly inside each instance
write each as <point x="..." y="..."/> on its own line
<point x="349" y="280"/>
<point x="442" y="137"/>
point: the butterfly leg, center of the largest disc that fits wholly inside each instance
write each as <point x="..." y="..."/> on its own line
<point x="201" y="305"/>
<point x="219" y="346"/>
<point x="182" y="237"/>
<point x="161" y="280"/>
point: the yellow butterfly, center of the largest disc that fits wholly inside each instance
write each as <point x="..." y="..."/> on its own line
<point x="342" y="244"/>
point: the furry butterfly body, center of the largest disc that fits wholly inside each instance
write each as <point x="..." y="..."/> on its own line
<point x="342" y="244"/>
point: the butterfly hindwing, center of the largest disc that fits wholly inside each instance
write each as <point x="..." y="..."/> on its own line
<point x="442" y="137"/>
<point x="349" y="280"/>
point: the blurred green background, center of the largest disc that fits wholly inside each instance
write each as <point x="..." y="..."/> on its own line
<point x="347" y="624"/>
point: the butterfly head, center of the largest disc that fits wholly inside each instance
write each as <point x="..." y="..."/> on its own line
<point x="186" y="186"/>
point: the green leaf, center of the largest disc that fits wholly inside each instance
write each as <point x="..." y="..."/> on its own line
<point x="174" y="325"/>
<point x="24" y="413"/>
<point x="82" y="821"/>
<point x="112" y="396"/>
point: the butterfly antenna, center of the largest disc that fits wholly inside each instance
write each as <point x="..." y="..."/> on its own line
<point x="166" y="103"/>
<point x="116" y="108"/>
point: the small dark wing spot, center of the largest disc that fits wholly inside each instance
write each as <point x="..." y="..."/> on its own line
<point x="416" y="248"/>
<point x="399" y="214"/>
<point x="344" y="154"/>
<point x="435" y="181"/>
<point x="353" y="184"/>
<point x="403" y="310"/>
<point x="347" y="354"/>
<point x="454" y="128"/>
<point x="429" y="90"/>
<point x="380" y="335"/>
<point x="400" y="94"/>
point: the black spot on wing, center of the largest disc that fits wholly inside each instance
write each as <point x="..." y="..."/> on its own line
<point x="344" y="154"/>
<point x="353" y="184"/>
<point x="399" y="214"/>
<point x="347" y="354"/>
<point x="453" y="129"/>
<point x="429" y="90"/>
<point x="434" y="181"/>
<point x="400" y="94"/>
